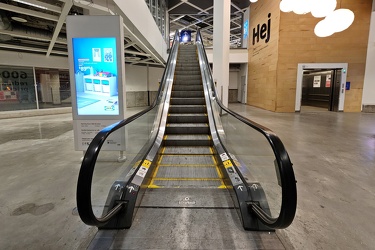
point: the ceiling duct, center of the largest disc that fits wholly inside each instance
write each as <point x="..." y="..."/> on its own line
<point x="5" y="23"/>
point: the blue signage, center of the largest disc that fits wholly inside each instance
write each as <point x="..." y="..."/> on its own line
<point x="246" y="29"/>
<point x="185" y="36"/>
<point x="347" y="86"/>
<point x="95" y="72"/>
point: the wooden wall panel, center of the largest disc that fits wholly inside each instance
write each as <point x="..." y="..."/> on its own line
<point x="263" y="56"/>
<point x="298" y="44"/>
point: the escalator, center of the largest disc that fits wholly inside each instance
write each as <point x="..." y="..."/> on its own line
<point x="193" y="177"/>
<point x="187" y="160"/>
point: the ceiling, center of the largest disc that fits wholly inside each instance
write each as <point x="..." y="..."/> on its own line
<point x="38" y="26"/>
<point x="198" y="14"/>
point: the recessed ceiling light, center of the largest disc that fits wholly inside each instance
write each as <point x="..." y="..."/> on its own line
<point x="19" y="19"/>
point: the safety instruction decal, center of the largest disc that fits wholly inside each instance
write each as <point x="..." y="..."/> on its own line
<point x="224" y="156"/>
<point x="227" y="164"/>
<point x="144" y="168"/>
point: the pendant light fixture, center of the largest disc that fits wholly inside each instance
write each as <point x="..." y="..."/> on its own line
<point x="337" y="21"/>
<point x="334" y="20"/>
<point x="321" y="8"/>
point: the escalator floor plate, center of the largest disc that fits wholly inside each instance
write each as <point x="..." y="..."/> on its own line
<point x="192" y="183"/>
<point x="185" y="197"/>
<point x="176" y="228"/>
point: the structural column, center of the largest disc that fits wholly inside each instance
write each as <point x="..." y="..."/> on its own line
<point x="221" y="48"/>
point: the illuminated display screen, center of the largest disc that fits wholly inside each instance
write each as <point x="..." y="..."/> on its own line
<point x="96" y="78"/>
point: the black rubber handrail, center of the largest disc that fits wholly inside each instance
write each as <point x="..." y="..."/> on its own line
<point x="84" y="203"/>
<point x="285" y="167"/>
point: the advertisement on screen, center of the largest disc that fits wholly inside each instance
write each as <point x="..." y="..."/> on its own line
<point x="96" y="76"/>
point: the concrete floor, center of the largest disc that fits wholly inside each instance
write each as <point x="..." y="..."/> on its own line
<point x="334" y="163"/>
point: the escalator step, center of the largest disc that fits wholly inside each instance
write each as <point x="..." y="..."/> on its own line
<point x="187" y="150"/>
<point x="187" y="172"/>
<point x="188" y="72"/>
<point x="182" y="94"/>
<point x="187" y="82"/>
<point x="187" y="109"/>
<point x="196" y="87"/>
<point x="187" y="140"/>
<point x="193" y="160"/>
<point x="187" y="128"/>
<point x="188" y="101"/>
<point x="179" y="183"/>
<point x="188" y="77"/>
<point x="185" y="118"/>
<point x="187" y="66"/>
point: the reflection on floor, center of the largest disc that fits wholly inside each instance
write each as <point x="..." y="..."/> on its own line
<point x="313" y="109"/>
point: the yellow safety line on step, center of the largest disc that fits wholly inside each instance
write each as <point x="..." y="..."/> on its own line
<point x="222" y="186"/>
<point x="156" y="170"/>
<point x="184" y="155"/>
<point x="187" y="179"/>
<point x="217" y="168"/>
<point x="187" y="165"/>
<point x="153" y="186"/>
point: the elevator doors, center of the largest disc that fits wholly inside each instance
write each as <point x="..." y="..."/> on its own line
<point x="321" y="89"/>
<point x="335" y="90"/>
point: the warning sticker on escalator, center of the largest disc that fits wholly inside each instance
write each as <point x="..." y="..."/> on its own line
<point x="146" y="163"/>
<point x="142" y="171"/>
<point x="227" y="164"/>
<point x="224" y="156"/>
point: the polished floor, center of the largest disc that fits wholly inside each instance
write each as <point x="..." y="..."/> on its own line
<point x="334" y="163"/>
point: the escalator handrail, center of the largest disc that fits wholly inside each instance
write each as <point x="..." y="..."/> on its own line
<point x="83" y="195"/>
<point x="287" y="178"/>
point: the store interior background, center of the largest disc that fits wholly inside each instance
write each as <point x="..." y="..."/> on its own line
<point x="37" y="47"/>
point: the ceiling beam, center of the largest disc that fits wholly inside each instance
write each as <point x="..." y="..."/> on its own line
<point x="62" y="18"/>
<point x="136" y="53"/>
<point x="141" y="61"/>
<point x="129" y="45"/>
<point x="175" y="6"/>
<point x="30" y="36"/>
<point x="237" y="8"/>
<point x="202" y="10"/>
<point x="92" y="5"/>
<point x="43" y="5"/>
<point x="28" y="12"/>
<point x="16" y="47"/>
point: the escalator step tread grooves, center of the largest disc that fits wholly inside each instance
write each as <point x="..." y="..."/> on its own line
<point x="187" y="158"/>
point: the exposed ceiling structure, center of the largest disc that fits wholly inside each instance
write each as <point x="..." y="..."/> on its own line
<point x="198" y="14"/>
<point x="38" y="26"/>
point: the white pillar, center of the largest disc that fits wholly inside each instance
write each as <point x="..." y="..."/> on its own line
<point x="221" y="48"/>
<point x="368" y="98"/>
<point x="55" y="86"/>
